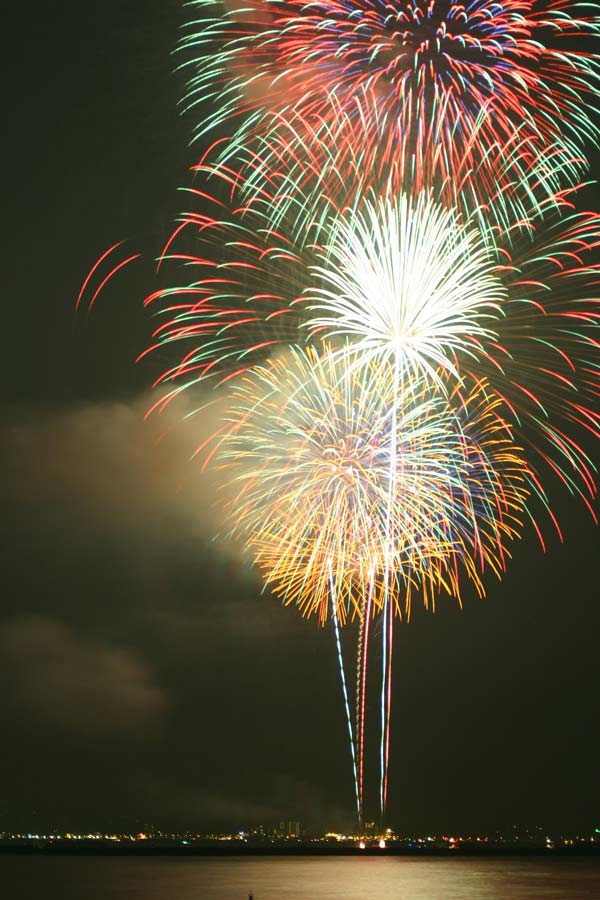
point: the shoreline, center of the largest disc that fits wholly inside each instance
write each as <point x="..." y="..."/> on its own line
<point x="109" y="848"/>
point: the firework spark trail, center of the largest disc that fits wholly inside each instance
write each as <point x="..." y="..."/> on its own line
<point x="116" y="267"/>
<point x="386" y="671"/>
<point x="357" y="718"/>
<point x="386" y="727"/>
<point x="344" y="691"/>
<point x="361" y="690"/>
<point x="386" y="675"/>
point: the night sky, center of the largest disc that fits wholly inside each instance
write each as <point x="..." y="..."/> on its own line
<point x="145" y="677"/>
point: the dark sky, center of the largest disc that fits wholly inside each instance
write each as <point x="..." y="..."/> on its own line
<point x="144" y="674"/>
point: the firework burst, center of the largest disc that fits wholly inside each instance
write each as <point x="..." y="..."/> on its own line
<point x="308" y="451"/>
<point x="411" y="280"/>
<point x="407" y="280"/>
<point x="416" y="92"/>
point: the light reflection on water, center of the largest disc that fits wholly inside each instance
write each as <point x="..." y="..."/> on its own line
<point x="349" y="878"/>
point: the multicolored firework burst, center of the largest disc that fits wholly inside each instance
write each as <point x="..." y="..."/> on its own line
<point x="308" y="452"/>
<point x="411" y="93"/>
<point x="407" y="279"/>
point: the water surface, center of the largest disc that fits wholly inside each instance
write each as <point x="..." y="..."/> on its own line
<point x="287" y="878"/>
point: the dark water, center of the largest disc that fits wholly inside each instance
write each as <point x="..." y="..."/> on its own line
<point x="366" y="878"/>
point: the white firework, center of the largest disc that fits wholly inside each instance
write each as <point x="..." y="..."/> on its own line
<point x="405" y="280"/>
